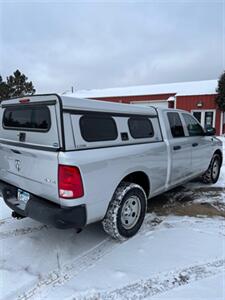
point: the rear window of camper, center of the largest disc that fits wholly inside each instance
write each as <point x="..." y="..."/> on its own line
<point x="140" y="127"/>
<point x="96" y="128"/>
<point x="27" y="118"/>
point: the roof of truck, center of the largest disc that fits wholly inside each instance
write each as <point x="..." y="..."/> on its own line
<point x="73" y="103"/>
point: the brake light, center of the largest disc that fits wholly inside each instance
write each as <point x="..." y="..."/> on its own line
<point x="23" y="101"/>
<point x="70" y="182"/>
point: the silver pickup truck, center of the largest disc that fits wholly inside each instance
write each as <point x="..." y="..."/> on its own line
<point x="70" y="162"/>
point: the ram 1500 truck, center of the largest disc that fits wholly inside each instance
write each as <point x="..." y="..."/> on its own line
<point x="70" y="162"/>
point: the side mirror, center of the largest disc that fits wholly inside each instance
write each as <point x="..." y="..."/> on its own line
<point x="210" y="131"/>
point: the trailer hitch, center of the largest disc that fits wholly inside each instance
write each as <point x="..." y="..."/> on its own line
<point x="17" y="216"/>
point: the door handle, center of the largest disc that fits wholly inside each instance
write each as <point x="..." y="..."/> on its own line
<point x="194" y="144"/>
<point x="176" y="147"/>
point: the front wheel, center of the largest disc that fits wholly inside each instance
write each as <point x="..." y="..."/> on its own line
<point x="126" y="211"/>
<point x="213" y="172"/>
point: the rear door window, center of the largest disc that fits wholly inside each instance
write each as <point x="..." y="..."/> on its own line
<point x="175" y="123"/>
<point x="95" y="128"/>
<point x="36" y="118"/>
<point x="140" y="127"/>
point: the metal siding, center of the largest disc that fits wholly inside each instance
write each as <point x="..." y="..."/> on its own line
<point x="218" y="116"/>
<point x="170" y="104"/>
<point x="190" y="103"/>
<point x="128" y="99"/>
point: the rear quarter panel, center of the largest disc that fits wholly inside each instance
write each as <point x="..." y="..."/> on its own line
<point x="103" y="169"/>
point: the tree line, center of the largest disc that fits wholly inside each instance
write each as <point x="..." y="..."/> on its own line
<point x="220" y="99"/>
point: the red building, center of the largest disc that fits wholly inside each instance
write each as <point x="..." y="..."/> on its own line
<point x="197" y="97"/>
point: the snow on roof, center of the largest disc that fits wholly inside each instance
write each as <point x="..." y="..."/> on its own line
<point x="204" y="87"/>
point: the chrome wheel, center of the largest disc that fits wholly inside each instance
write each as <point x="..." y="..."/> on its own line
<point x="130" y="212"/>
<point x="215" y="168"/>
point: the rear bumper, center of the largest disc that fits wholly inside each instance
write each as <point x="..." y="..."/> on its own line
<point x="43" y="210"/>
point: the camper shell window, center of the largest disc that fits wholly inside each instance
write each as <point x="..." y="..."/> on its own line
<point x="30" y="118"/>
<point x="96" y="128"/>
<point x="140" y="127"/>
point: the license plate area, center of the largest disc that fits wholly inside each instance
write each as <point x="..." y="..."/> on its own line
<point x="22" y="197"/>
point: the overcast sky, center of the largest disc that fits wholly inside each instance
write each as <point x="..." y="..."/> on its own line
<point x="99" y="44"/>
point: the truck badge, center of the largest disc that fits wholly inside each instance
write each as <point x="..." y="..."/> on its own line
<point x="18" y="164"/>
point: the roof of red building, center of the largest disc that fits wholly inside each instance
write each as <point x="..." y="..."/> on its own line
<point x="205" y="87"/>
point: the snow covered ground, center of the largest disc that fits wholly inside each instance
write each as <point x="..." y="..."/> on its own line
<point x="178" y="254"/>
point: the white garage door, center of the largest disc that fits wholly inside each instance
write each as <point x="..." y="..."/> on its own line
<point x="161" y="104"/>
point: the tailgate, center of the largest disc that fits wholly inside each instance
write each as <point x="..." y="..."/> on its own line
<point x="32" y="170"/>
<point x="30" y="139"/>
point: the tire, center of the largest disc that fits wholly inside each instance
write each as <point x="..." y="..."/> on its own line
<point x="126" y="211"/>
<point x="213" y="172"/>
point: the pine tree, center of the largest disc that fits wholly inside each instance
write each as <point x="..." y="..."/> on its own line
<point x="220" y="99"/>
<point x="16" y="85"/>
<point x="4" y="89"/>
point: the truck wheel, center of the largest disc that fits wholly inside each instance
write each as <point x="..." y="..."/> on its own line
<point x="126" y="211"/>
<point x="213" y="172"/>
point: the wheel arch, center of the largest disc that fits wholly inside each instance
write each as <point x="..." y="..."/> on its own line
<point x="140" y="178"/>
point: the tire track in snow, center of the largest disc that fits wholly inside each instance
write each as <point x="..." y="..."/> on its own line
<point x="6" y="221"/>
<point x="21" y="231"/>
<point x="159" y="284"/>
<point x="72" y="269"/>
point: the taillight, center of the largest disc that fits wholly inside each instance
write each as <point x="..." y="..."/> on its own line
<point x="70" y="182"/>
